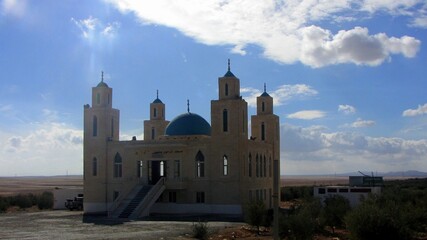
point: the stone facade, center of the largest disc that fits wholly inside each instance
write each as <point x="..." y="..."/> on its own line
<point x="209" y="169"/>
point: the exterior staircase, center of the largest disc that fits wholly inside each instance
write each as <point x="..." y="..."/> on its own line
<point x="135" y="201"/>
<point x="138" y="203"/>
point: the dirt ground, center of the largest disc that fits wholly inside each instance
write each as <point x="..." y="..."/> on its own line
<point x="63" y="224"/>
<point x="16" y="185"/>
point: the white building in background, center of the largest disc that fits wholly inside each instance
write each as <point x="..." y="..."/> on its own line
<point x="359" y="188"/>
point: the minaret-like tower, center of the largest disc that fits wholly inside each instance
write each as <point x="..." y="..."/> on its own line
<point x="156" y="126"/>
<point x="229" y="136"/>
<point x="101" y="125"/>
<point x="265" y="124"/>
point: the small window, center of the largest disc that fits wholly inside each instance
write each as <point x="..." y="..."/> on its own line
<point x="200" y="197"/>
<point x="98" y="98"/>
<point x="117" y="166"/>
<point x="225" y="165"/>
<point x="200" y="164"/>
<point x="263" y="107"/>
<point x="139" y="166"/>
<point x="177" y="169"/>
<point x="153" y="133"/>
<point x="172" y="197"/>
<point x="95" y="126"/>
<point x="226" y="89"/>
<point x="265" y="167"/>
<point x="94" y="167"/>
<point x="321" y="191"/>
<point x="257" y="166"/>
<point x="332" y="190"/>
<point x="115" y="195"/>
<point x="262" y="131"/>
<point x="155" y="112"/>
<point x="250" y="165"/>
<point x="225" y="120"/>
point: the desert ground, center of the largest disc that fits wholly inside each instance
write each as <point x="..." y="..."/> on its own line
<point x="16" y="185"/>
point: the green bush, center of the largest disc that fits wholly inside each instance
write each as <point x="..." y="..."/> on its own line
<point x="255" y="214"/>
<point x="374" y="219"/>
<point x="4" y="204"/>
<point x="334" y="210"/>
<point x="22" y="201"/>
<point x="303" y="221"/>
<point x="200" y="230"/>
<point x="45" y="200"/>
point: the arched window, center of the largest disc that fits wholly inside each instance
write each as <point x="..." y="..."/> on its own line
<point x="260" y="165"/>
<point x="225" y="165"/>
<point x="200" y="164"/>
<point x="269" y="167"/>
<point x="250" y="165"/>
<point x="257" y="166"/>
<point x="263" y="107"/>
<point x="265" y="167"/>
<point x="155" y="112"/>
<point x="98" y="98"/>
<point x="153" y="132"/>
<point x="226" y="89"/>
<point x="94" y="167"/>
<point x="225" y="120"/>
<point x="262" y="131"/>
<point x="95" y="126"/>
<point x="117" y="166"/>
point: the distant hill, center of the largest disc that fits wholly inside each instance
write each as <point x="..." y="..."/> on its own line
<point x="410" y="173"/>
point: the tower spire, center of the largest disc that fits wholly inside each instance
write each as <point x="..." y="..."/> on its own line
<point x="265" y="88"/>
<point x="102" y="76"/>
<point x="188" y="106"/>
<point x="157" y="96"/>
<point x="228" y="64"/>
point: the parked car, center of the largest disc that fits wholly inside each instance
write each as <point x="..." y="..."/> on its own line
<point x="75" y="204"/>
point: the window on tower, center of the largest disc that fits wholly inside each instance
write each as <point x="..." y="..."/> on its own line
<point x="225" y="120"/>
<point x="94" y="167"/>
<point x="263" y="107"/>
<point x="226" y="89"/>
<point x="262" y="131"/>
<point x="250" y="165"/>
<point x="95" y="126"/>
<point x="155" y="112"/>
<point x="98" y="98"/>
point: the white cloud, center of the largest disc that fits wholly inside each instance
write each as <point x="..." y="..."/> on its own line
<point x="50" y="148"/>
<point x="415" y="112"/>
<point x="16" y="8"/>
<point x="93" y="28"/>
<point x="286" y="31"/>
<point x="281" y="95"/>
<point x="307" y="115"/>
<point x="314" y="150"/>
<point x="359" y="123"/>
<point x="346" y="109"/>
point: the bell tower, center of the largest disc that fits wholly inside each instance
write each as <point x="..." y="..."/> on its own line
<point x="265" y="124"/>
<point x="157" y="124"/>
<point x="101" y="126"/>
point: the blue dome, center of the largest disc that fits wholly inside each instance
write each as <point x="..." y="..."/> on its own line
<point x="102" y="84"/>
<point x="157" y="100"/>
<point x="188" y="124"/>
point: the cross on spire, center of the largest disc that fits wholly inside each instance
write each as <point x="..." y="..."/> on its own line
<point x="188" y="106"/>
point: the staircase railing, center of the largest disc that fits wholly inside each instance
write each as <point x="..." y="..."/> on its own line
<point x="119" y="200"/>
<point x="144" y="208"/>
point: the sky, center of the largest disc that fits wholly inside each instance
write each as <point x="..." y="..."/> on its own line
<point x="348" y="78"/>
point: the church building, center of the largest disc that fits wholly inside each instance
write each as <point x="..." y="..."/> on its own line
<point x="182" y="166"/>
